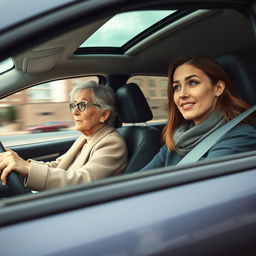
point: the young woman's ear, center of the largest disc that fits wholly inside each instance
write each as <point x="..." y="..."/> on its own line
<point x="220" y="87"/>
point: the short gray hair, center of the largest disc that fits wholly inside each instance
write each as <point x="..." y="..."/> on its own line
<point x="102" y="95"/>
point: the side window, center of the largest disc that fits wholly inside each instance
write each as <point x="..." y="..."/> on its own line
<point x="155" y="90"/>
<point x="42" y="108"/>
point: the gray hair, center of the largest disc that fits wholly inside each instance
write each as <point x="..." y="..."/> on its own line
<point x="102" y="95"/>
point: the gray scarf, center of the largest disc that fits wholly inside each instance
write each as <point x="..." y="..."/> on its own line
<point x="188" y="135"/>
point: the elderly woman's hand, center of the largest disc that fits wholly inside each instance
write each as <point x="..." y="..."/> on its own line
<point x="10" y="161"/>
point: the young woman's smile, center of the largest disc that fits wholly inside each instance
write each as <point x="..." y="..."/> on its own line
<point x="194" y="94"/>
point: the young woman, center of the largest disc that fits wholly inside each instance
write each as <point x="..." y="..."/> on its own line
<point x="201" y="99"/>
<point x="98" y="153"/>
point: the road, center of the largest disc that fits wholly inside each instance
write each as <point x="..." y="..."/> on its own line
<point x="25" y="138"/>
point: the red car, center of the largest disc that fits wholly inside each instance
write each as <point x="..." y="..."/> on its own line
<point x="49" y="127"/>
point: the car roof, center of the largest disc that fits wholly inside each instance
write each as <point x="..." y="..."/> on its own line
<point x="205" y="31"/>
<point x="9" y="18"/>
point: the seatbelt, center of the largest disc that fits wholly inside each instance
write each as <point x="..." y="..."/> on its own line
<point x="200" y="149"/>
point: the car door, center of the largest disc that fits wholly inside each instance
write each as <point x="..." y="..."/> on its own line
<point x="206" y="208"/>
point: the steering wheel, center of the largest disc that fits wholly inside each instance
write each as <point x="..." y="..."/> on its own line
<point x="14" y="182"/>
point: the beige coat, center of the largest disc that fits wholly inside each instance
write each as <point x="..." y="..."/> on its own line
<point x="90" y="158"/>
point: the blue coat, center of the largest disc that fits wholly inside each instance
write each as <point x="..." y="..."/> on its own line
<point x="239" y="139"/>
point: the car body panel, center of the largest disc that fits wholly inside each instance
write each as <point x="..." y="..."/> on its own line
<point x="220" y="220"/>
<point x="11" y="18"/>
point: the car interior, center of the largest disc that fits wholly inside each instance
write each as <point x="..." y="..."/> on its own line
<point x="228" y="31"/>
<point x="201" y="208"/>
<point x="140" y="139"/>
<point x="226" y="35"/>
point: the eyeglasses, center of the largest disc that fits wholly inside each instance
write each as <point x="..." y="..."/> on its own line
<point x="81" y="105"/>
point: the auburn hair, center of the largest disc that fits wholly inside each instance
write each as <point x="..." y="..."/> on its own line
<point x="228" y="102"/>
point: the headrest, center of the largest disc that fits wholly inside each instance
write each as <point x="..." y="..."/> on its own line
<point x="132" y="104"/>
<point x="241" y="76"/>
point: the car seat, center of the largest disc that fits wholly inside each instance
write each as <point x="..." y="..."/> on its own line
<point x="241" y="72"/>
<point x="143" y="141"/>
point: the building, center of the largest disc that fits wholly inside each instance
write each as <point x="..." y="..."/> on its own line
<point x="49" y="101"/>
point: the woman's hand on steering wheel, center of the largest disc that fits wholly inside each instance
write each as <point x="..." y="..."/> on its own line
<point x="10" y="161"/>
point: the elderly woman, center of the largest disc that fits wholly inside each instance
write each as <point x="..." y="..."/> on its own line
<point x="98" y="153"/>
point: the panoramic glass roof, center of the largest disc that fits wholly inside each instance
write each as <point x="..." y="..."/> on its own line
<point x="6" y="65"/>
<point x="123" y="27"/>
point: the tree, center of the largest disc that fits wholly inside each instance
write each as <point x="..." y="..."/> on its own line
<point x="11" y="114"/>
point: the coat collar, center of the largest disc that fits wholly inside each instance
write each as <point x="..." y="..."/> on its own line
<point x="91" y="140"/>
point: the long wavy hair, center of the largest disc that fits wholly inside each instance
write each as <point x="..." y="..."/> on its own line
<point x="228" y="102"/>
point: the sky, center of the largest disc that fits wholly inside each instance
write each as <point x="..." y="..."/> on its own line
<point x="122" y="27"/>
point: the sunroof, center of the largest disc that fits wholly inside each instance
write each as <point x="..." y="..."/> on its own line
<point x="6" y="65"/>
<point x="123" y="27"/>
